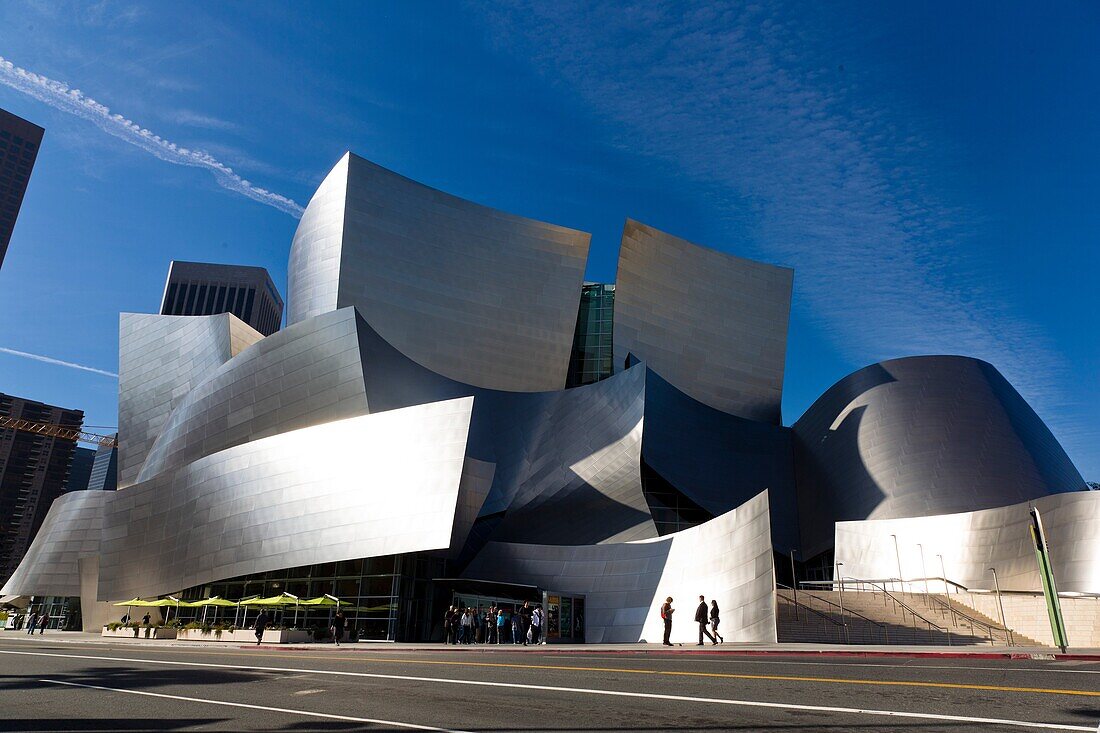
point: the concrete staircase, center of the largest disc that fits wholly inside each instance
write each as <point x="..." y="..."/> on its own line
<point x="875" y="617"/>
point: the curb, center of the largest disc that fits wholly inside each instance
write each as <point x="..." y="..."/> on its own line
<point x="719" y="652"/>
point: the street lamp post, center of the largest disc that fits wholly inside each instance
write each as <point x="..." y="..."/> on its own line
<point x="924" y="572"/>
<point x="897" y="556"/>
<point x="843" y="619"/>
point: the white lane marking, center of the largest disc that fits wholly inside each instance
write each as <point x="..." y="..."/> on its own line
<point x="308" y="692"/>
<point x="576" y="690"/>
<point x="265" y="708"/>
<point x="837" y="664"/>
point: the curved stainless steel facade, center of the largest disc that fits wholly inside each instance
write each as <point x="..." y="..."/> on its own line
<point x="921" y="436"/>
<point x="316" y="495"/>
<point x="71" y="530"/>
<point x="481" y="296"/>
<point x="728" y="559"/>
<point x="306" y="374"/>
<point x="717" y="460"/>
<point x="160" y="359"/>
<point x="415" y="404"/>
<point x="972" y="542"/>
<point x="712" y="324"/>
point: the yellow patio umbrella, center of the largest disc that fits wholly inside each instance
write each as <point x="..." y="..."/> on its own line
<point x="134" y="602"/>
<point x="215" y="601"/>
<point x="283" y="599"/>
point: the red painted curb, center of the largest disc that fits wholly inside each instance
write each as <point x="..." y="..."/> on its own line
<point x="718" y="652"/>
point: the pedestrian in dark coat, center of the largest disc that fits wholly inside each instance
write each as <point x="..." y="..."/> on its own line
<point x="701" y="618"/>
<point x="261" y="623"/>
<point x="714" y="620"/>
<point x="666" y="615"/>
<point x="338" y="624"/>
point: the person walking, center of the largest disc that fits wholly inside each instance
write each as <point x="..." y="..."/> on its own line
<point x="701" y="619"/>
<point x="339" y="621"/>
<point x="32" y="621"/>
<point x="491" y="625"/>
<point x="261" y="623"/>
<point x="714" y="620"/>
<point x="525" y="620"/>
<point x="666" y="616"/>
<point x="536" y="625"/>
<point x="501" y="620"/>
<point x="517" y="627"/>
<point x="449" y="625"/>
<point x="145" y="620"/>
<point x="467" y="624"/>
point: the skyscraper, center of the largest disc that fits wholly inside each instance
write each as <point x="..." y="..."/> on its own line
<point x="19" y="141"/>
<point x="80" y="469"/>
<point x="590" y="360"/>
<point x="104" y="476"/>
<point x="204" y="289"/>
<point x="34" y="470"/>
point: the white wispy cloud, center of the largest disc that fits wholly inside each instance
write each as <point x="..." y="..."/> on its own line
<point x="57" y="362"/>
<point x="846" y="186"/>
<point x="61" y="96"/>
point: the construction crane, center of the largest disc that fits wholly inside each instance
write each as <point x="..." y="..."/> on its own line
<point x="57" y="431"/>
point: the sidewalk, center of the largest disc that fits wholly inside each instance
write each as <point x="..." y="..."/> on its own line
<point x="729" y="649"/>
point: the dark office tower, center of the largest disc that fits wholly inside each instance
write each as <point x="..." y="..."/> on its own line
<point x="34" y="470"/>
<point x="19" y="141"/>
<point x="590" y="360"/>
<point x="80" y="469"/>
<point x="104" y="475"/>
<point x="201" y="289"/>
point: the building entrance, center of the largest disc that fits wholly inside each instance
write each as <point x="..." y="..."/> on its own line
<point x="563" y="613"/>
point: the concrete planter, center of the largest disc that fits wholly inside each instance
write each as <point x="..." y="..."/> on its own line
<point x="279" y="636"/>
<point x="142" y="632"/>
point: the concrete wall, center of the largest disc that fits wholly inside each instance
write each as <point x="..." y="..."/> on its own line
<point x="1027" y="614"/>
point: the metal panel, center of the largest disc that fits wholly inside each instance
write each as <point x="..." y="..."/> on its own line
<point x="304" y="375"/>
<point x="972" y="542"/>
<point x="921" y="436"/>
<point x="372" y="485"/>
<point x="481" y="296"/>
<point x="70" y="531"/>
<point x="712" y="324"/>
<point x="160" y="359"/>
<point x="728" y="559"/>
<point x="567" y="462"/>
<point x="718" y="460"/>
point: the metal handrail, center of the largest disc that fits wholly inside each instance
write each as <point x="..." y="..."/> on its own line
<point x="887" y="594"/>
<point x="814" y="611"/>
<point x="989" y="628"/>
<point x="844" y="611"/>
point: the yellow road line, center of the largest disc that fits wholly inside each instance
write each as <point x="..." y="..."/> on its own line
<point x="367" y="657"/>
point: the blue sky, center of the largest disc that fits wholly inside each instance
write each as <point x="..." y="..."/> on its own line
<point x="930" y="170"/>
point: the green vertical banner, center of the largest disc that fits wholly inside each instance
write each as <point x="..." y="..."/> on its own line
<point x="1050" y="589"/>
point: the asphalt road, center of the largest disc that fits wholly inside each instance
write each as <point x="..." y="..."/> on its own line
<point x="55" y="686"/>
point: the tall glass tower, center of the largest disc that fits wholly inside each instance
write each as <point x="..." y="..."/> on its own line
<point x="590" y="360"/>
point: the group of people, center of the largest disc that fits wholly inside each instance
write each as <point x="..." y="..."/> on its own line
<point x="36" y="621"/>
<point x="703" y="617"/>
<point x="494" y="626"/>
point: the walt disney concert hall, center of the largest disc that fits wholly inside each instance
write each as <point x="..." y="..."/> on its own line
<point x="453" y="416"/>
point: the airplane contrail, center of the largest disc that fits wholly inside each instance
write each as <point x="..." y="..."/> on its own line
<point x="61" y="96"/>
<point x="57" y="362"/>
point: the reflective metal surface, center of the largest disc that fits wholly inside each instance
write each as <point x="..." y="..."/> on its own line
<point x="728" y="559"/>
<point x="973" y="542"/>
<point x="315" y="495"/>
<point x="160" y="358"/>
<point x="71" y="530"/>
<point x="920" y="436"/>
<point x="306" y="374"/>
<point x="712" y="324"/>
<point x="479" y="295"/>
